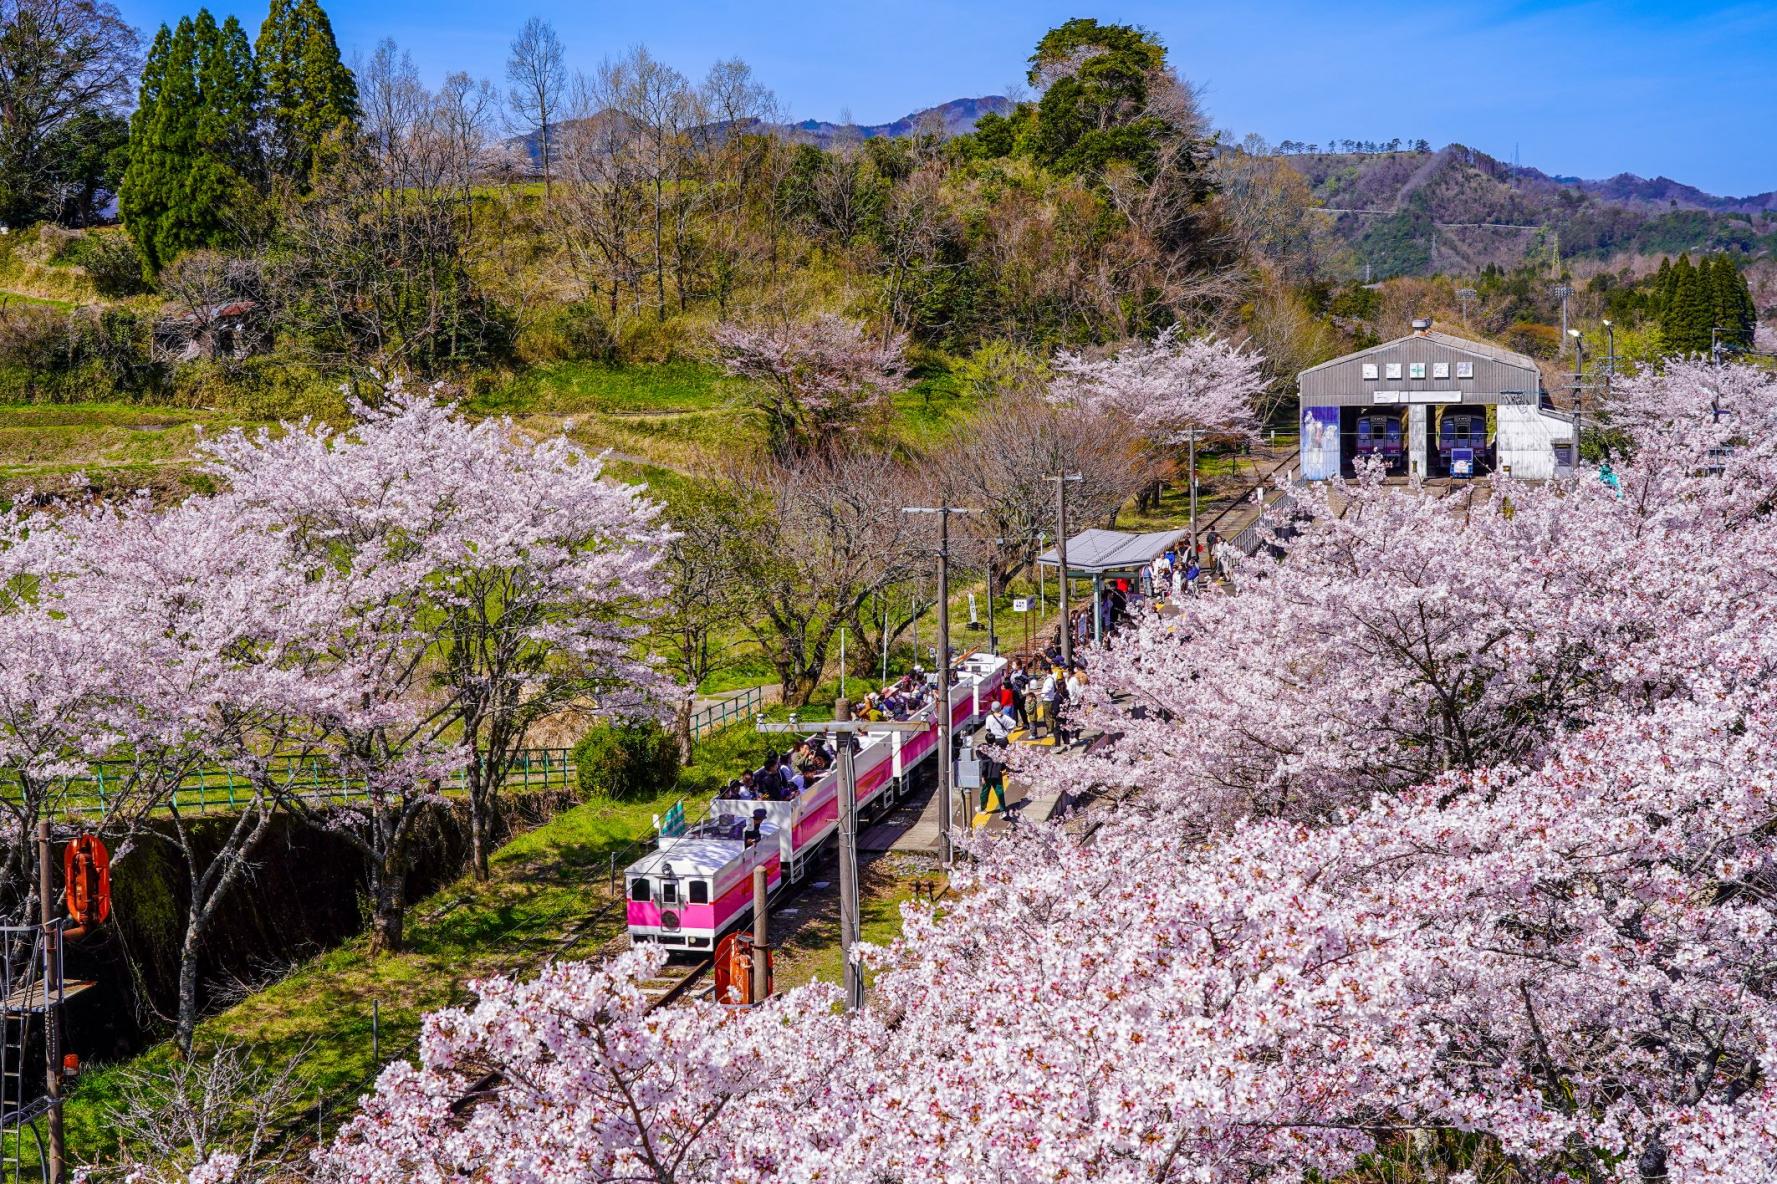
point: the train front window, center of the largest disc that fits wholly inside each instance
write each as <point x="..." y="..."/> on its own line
<point x="700" y="892"/>
<point x="669" y="892"/>
<point x="638" y="889"/>
<point x="1363" y="434"/>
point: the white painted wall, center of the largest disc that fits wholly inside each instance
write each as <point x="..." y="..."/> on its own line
<point x="1526" y="441"/>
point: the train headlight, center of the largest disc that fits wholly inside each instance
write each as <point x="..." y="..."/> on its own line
<point x="669" y="920"/>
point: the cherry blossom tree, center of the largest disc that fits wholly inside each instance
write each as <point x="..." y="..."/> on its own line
<point x="492" y="580"/>
<point x="1172" y="390"/>
<point x="207" y="639"/>
<point x="814" y="380"/>
<point x="1171" y="387"/>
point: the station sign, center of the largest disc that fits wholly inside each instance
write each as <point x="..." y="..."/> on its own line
<point x="1021" y="604"/>
<point x="1416" y="396"/>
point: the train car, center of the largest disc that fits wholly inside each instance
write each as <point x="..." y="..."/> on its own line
<point x="693" y="888"/>
<point x="1382" y="435"/>
<point x="1463" y="430"/>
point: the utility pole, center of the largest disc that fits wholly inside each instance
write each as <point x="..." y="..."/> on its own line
<point x="1563" y="291"/>
<point x="1061" y="480"/>
<point x="1193" y="494"/>
<point x="1465" y="295"/>
<point x="1579" y="364"/>
<point x="847" y="731"/>
<point x="993" y="641"/>
<point x="52" y="997"/>
<point x="761" y="938"/>
<point x="944" y="704"/>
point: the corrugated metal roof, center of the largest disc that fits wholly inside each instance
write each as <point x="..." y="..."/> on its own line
<point x="1479" y="348"/>
<point x="1112" y="550"/>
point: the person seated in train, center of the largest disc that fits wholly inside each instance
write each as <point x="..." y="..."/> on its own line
<point x="804" y="761"/>
<point x="745" y="790"/>
<point x="765" y="778"/>
<point x="735" y="791"/>
<point x="756" y="831"/>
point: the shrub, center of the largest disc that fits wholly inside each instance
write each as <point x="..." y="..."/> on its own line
<point x="578" y="331"/>
<point x="107" y="257"/>
<point x="626" y="758"/>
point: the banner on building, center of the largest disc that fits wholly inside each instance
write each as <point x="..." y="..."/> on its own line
<point x="1320" y="443"/>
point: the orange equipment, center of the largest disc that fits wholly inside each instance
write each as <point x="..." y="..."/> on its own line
<point x="734" y="969"/>
<point x="86" y="868"/>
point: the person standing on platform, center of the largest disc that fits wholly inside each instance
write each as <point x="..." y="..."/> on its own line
<point x="993" y="780"/>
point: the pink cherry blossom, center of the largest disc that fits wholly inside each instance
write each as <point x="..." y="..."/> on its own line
<point x="1461" y="817"/>
<point x="1169" y="387"/>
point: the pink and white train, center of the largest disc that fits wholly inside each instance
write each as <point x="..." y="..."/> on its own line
<point x="693" y="888"/>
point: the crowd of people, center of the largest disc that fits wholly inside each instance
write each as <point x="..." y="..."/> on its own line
<point x="900" y="700"/>
<point x="782" y="778"/>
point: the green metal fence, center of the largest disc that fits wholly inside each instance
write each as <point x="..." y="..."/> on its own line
<point x="724" y="711"/>
<point x="312" y="778"/>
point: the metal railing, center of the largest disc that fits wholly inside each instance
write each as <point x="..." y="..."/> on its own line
<point x="726" y="711"/>
<point x="312" y="778"/>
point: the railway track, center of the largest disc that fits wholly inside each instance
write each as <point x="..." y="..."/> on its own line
<point x="679" y="980"/>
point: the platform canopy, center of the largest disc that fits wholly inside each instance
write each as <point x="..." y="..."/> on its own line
<point x="1101" y="552"/>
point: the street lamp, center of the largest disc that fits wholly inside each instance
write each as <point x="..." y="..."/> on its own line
<point x="1562" y="292"/>
<point x="1579" y="365"/>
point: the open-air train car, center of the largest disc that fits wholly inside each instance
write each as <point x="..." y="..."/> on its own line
<point x="692" y="888"/>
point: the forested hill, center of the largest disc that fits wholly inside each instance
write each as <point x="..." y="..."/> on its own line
<point x="956" y="117"/>
<point x="1456" y="210"/>
<point x="953" y="118"/>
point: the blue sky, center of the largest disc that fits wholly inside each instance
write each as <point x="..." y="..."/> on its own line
<point x="1684" y="88"/>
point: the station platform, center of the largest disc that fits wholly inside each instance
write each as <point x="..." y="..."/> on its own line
<point x="912" y="826"/>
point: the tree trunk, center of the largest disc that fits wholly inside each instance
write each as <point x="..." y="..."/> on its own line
<point x="682" y="725"/>
<point x="478" y="837"/>
<point x="185" y="1025"/>
<point x="800" y="687"/>
<point x="390" y="914"/>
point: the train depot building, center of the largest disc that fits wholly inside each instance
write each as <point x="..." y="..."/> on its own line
<point x="1431" y="405"/>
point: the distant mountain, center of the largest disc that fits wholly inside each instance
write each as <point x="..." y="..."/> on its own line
<point x="1629" y="189"/>
<point x="1458" y="209"/>
<point x="958" y="116"/>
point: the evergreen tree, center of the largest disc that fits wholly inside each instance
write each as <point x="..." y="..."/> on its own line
<point x="1661" y="293"/>
<point x="1731" y="302"/>
<point x="1685" y="325"/>
<point x="311" y="97"/>
<point x="192" y="141"/>
<point x="228" y="80"/>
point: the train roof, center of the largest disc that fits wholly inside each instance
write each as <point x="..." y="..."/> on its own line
<point x="694" y="856"/>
